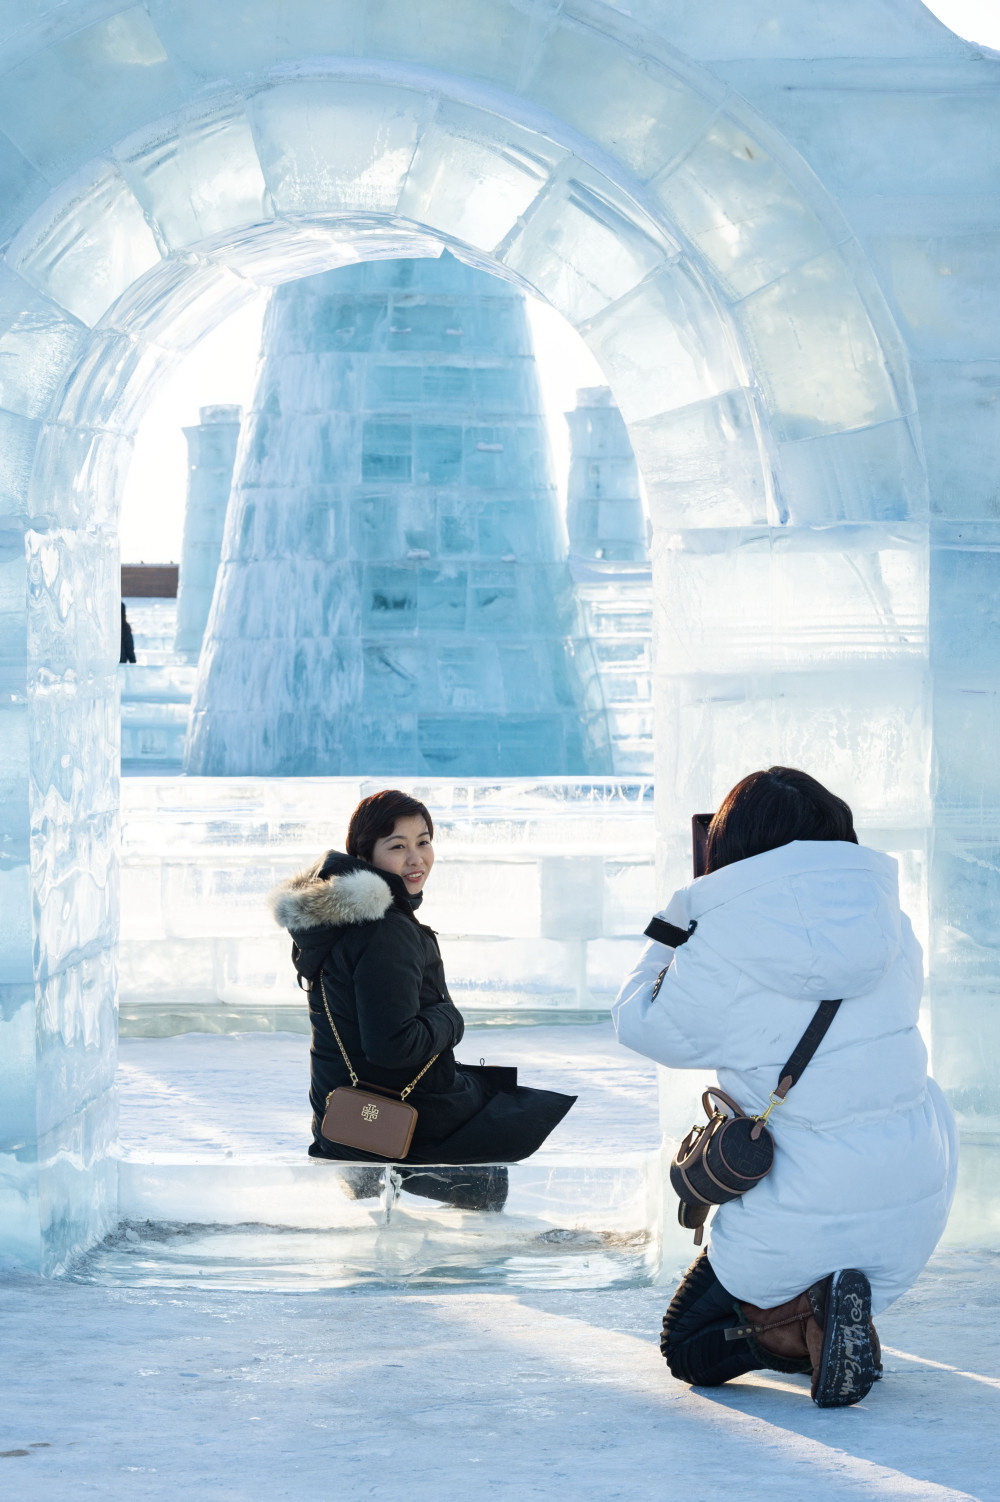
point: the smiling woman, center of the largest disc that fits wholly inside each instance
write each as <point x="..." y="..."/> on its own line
<point x="381" y="1014"/>
<point x="395" y="833"/>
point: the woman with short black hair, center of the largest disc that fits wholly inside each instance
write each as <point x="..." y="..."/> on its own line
<point x="793" y="911"/>
<point x="375" y="972"/>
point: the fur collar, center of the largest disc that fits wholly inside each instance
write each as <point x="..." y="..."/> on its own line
<point x="332" y="892"/>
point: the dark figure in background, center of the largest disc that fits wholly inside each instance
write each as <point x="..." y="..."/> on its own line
<point x="356" y="938"/>
<point x="128" y="644"/>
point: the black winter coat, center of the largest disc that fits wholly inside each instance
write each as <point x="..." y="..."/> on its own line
<point x="354" y="929"/>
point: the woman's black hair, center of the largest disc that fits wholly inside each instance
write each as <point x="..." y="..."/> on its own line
<point x="772" y="808"/>
<point x="375" y="818"/>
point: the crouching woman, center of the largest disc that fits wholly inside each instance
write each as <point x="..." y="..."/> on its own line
<point x="374" y="973"/>
<point x="793" y="911"/>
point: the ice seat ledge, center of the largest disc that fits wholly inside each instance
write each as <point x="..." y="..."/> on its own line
<point x="608" y="1191"/>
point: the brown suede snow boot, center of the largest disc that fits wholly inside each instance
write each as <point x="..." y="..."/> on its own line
<point x="786" y="1338"/>
<point x="827" y="1330"/>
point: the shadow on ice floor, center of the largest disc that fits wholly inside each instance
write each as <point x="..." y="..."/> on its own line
<point x="411" y="1396"/>
<point x="215" y="1187"/>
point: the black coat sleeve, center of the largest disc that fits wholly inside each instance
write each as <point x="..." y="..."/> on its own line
<point x="396" y="1032"/>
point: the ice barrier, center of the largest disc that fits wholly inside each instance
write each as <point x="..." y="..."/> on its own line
<point x="539" y="893"/>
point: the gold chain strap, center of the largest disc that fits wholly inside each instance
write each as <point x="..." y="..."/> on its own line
<point x="350" y="1069"/>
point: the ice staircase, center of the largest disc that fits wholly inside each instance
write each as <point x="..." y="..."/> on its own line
<point x="617" y="601"/>
<point x="539" y="889"/>
<point x="156" y="690"/>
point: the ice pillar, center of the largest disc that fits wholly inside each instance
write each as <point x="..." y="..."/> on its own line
<point x="58" y="886"/>
<point x="394" y="595"/>
<point x="965" y="847"/>
<point x="211" y="456"/>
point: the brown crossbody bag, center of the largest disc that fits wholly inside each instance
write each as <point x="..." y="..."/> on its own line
<point x="368" y="1117"/>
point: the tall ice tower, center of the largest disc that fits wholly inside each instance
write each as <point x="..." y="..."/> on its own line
<point x="394" y="596"/>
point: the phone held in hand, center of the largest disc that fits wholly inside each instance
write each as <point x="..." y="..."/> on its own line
<point x="699" y="841"/>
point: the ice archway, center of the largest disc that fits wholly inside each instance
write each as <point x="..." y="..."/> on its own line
<point x="732" y="308"/>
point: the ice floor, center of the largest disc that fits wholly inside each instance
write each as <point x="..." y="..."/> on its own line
<point x="126" y="1394"/>
<point x="247" y="1093"/>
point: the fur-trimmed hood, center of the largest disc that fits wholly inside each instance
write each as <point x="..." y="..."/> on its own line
<point x="335" y="891"/>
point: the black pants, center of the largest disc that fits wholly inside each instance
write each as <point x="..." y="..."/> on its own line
<point x="474" y="1188"/>
<point x="477" y="1188"/>
<point x="693" y="1341"/>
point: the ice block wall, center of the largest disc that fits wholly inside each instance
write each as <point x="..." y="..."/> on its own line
<point x="211" y="456"/>
<point x="394" y="595"/>
<point x="779" y="236"/>
<point x="540" y="892"/>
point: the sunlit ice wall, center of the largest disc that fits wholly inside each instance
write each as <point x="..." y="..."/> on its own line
<point x="765" y="327"/>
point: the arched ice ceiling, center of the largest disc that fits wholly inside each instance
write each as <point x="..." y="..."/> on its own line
<point x="696" y="253"/>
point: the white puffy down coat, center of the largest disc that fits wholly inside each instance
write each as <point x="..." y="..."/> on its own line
<point x="864" y="1166"/>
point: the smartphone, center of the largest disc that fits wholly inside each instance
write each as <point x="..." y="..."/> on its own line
<point x="699" y="841"/>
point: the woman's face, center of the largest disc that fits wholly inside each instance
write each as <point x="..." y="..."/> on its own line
<point x="407" y="852"/>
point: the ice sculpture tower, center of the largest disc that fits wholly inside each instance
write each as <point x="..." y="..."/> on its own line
<point x="394" y="595"/>
<point x="211" y="456"/>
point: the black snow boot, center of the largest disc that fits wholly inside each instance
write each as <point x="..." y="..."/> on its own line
<point x="363" y="1183"/>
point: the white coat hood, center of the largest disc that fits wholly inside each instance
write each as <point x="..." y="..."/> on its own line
<point x="813" y="919"/>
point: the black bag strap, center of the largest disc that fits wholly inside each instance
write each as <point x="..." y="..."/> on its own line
<point x="799" y="1057"/>
<point x="668" y="933"/>
<point x="350" y="1067"/>
<point x="807" y="1045"/>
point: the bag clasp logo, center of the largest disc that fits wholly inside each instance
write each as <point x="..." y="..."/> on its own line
<point x="369" y="1112"/>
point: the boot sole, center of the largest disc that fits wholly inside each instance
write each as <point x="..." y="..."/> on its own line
<point x="847" y="1366"/>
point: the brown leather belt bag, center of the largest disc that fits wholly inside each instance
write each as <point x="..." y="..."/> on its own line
<point x="368" y="1117"/>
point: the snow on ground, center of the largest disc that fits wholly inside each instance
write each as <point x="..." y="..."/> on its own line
<point x="134" y="1395"/>
<point x="248" y="1092"/>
